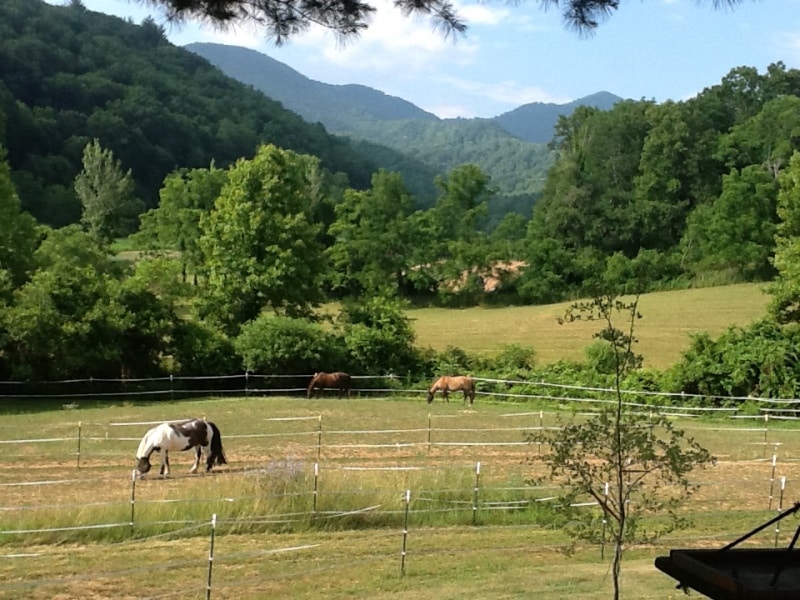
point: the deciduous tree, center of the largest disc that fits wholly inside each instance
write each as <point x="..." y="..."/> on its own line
<point x="110" y="208"/>
<point x="785" y="305"/>
<point x="629" y="464"/>
<point x="372" y="237"/>
<point x="260" y="247"/>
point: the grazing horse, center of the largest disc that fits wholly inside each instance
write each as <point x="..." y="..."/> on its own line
<point x="447" y="384"/>
<point x="322" y="381"/>
<point x="167" y="437"/>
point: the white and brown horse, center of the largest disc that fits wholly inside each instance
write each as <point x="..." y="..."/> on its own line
<point x="177" y="437"/>
<point x="447" y="384"/>
<point x="335" y="381"/>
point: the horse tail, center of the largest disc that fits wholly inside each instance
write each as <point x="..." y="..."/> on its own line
<point x="311" y="385"/>
<point x="216" y="447"/>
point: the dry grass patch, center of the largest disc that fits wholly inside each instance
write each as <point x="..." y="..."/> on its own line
<point x="669" y="319"/>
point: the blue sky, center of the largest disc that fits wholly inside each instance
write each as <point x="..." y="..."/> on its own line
<point x="514" y="54"/>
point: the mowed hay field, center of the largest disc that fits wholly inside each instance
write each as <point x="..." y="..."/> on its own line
<point x="78" y="526"/>
<point x="668" y="319"/>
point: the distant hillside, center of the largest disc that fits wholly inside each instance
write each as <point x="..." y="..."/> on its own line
<point x="503" y="147"/>
<point x="535" y="122"/>
<point x="335" y="106"/>
<point x="68" y="75"/>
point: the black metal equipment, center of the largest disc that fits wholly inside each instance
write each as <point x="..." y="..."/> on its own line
<point x="731" y="573"/>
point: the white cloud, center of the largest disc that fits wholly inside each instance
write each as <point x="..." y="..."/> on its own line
<point x="482" y="14"/>
<point x="393" y="44"/>
<point x="509" y="93"/>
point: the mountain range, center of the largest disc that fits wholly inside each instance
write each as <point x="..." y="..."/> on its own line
<point x="511" y="148"/>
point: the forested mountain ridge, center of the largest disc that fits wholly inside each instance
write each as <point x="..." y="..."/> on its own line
<point x="510" y="148"/>
<point x="536" y="122"/>
<point x="69" y="75"/>
<point x="342" y="107"/>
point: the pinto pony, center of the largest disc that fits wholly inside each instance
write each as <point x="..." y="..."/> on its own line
<point x="337" y="381"/>
<point x="447" y="384"/>
<point x="177" y="437"/>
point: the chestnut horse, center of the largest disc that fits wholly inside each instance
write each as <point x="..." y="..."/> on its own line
<point x="177" y="437"/>
<point x="447" y="384"/>
<point x="336" y="381"/>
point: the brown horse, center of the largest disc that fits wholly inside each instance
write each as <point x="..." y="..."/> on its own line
<point x="447" y="384"/>
<point x="336" y="381"/>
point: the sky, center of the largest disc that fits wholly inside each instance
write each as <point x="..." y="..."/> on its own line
<point x="515" y="53"/>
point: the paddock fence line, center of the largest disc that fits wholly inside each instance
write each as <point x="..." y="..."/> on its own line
<point x="87" y="440"/>
<point x="321" y="445"/>
<point x="473" y="503"/>
<point x="247" y="384"/>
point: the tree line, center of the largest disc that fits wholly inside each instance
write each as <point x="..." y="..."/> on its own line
<point x="641" y="197"/>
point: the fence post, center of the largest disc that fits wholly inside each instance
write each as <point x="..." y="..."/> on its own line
<point x="171" y="387"/>
<point x="319" y="439"/>
<point x="405" y="536"/>
<point x="766" y="421"/>
<point x="133" y="494"/>
<point x="429" y="433"/>
<point x="79" y="445"/>
<point x="475" y="493"/>
<point x="314" y="495"/>
<point x="246" y="384"/>
<point x="780" y="508"/>
<point x="605" y="521"/>
<point x="541" y="428"/>
<point x="211" y="556"/>
<point x="772" y="480"/>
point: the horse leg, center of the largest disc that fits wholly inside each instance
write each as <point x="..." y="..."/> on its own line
<point x="446" y="394"/>
<point x="164" y="464"/>
<point x="198" y="451"/>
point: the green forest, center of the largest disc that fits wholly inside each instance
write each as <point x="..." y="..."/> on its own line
<point x="251" y="224"/>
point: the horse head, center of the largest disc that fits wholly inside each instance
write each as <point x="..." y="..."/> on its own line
<point x="144" y="465"/>
<point x="430" y="396"/>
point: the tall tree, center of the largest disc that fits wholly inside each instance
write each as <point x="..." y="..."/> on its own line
<point x="110" y="208"/>
<point x="785" y="305"/>
<point x="260" y="247"/>
<point x="18" y="231"/>
<point x="372" y="237"/>
<point x="187" y="195"/>
<point x="736" y="232"/>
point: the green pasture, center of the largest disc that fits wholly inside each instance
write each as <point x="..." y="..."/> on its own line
<point x="668" y="319"/>
<point x="313" y="502"/>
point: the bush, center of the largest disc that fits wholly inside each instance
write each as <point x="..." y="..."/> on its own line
<point x="199" y="349"/>
<point x="283" y="345"/>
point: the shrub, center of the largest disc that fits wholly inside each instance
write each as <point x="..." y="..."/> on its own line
<point x="283" y="345"/>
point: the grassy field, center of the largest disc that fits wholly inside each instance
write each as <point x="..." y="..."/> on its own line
<point x="368" y="452"/>
<point x="664" y="331"/>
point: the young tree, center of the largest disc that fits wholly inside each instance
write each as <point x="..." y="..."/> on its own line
<point x="631" y="465"/>
<point x="110" y="208"/>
